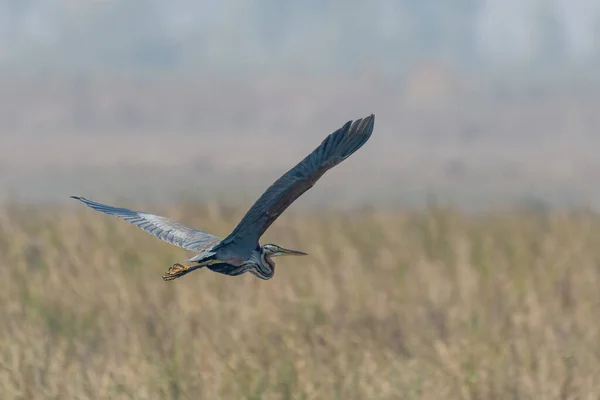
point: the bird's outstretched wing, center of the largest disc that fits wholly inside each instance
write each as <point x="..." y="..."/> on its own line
<point x="161" y="227"/>
<point x="333" y="150"/>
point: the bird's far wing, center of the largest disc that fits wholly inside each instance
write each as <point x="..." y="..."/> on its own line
<point x="333" y="150"/>
<point x="163" y="228"/>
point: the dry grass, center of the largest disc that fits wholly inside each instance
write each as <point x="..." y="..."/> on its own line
<point x="406" y="305"/>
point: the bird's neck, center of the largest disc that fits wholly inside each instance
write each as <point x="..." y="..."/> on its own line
<point x="266" y="265"/>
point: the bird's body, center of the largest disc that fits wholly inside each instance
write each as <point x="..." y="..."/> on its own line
<point x="240" y="252"/>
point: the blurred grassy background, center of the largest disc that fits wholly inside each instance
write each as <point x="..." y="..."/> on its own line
<point x="425" y="304"/>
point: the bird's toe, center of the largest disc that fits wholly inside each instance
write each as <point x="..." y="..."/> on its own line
<point x="175" y="271"/>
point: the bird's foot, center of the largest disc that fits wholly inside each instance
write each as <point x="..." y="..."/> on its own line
<point x="175" y="271"/>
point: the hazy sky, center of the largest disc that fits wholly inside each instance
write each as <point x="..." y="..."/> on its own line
<point x="503" y="31"/>
<point x="507" y="30"/>
<point x="533" y="145"/>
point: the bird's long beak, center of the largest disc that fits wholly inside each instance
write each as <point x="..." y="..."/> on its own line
<point x="287" y="252"/>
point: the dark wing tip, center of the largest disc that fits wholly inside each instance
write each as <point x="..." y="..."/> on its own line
<point x="89" y="203"/>
<point x="357" y="135"/>
<point x="364" y="125"/>
<point x="82" y="199"/>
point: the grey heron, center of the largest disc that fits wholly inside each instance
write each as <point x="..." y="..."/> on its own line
<point x="240" y="252"/>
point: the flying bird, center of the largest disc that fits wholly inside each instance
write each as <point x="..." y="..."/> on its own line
<point x="240" y="252"/>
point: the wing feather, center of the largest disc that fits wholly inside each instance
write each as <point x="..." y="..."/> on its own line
<point x="280" y="195"/>
<point x="163" y="228"/>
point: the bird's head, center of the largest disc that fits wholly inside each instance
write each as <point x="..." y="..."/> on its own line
<point x="273" y="250"/>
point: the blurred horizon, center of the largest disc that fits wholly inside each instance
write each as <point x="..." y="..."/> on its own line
<point x="477" y="103"/>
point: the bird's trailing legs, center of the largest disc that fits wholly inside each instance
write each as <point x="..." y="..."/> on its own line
<point x="176" y="271"/>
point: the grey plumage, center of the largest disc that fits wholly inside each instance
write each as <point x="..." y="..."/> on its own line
<point x="163" y="228"/>
<point x="240" y="252"/>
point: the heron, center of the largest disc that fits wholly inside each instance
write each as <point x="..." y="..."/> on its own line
<point x="240" y="252"/>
